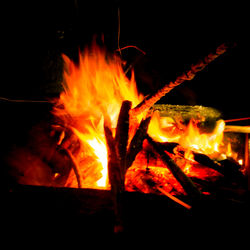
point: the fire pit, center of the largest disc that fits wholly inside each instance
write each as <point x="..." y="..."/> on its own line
<point x="117" y="153"/>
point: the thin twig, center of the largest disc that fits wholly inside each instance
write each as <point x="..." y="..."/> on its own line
<point x="131" y="46"/>
<point x="182" y="203"/>
<point x="20" y="100"/>
<point x="119" y="30"/>
<point x="238" y="119"/>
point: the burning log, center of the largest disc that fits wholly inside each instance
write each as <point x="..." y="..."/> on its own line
<point x="115" y="179"/>
<point x="228" y="167"/>
<point x="207" y="161"/>
<point x="231" y="170"/>
<point x="113" y="163"/>
<point x="117" y="151"/>
<point x="136" y="143"/>
<point x="121" y="137"/>
<point x="149" y="101"/>
<point x="175" y="199"/>
<point x="184" y="180"/>
<point x="148" y="179"/>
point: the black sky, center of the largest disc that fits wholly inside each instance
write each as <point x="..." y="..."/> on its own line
<point x="173" y="34"/>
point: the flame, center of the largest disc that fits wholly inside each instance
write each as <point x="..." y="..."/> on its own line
<point x="93" y="92"/>
<point x="240" y="161"/>
<point x="166" y="129"/>
<point x="163" y="129"/>
<point x="206" y="143"/>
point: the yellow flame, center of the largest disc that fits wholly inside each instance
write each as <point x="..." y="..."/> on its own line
<point x="207" y="143"/>
<point x="163" y="129"/>
<point x="93" y="92"/>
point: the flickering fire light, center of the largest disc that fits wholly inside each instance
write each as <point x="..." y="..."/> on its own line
<point x="94" y="91"/>
<point x="105" y="135"/>
<point x="93" y="94"/>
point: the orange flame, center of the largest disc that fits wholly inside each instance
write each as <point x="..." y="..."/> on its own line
<point x="165" y="129"/>
<point x="206" y="143"/>
<point x="93" y="92"/>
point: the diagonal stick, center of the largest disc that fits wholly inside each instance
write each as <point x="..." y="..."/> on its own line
<point x="150" y="100"/>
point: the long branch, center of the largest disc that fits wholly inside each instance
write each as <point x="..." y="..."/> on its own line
<point x="149" y="101"/>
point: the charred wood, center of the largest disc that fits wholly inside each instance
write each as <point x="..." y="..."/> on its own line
<point x="231" y="170"/>
<point x="228" y="167"/>
<point x="180" y="176"/>
<point x="121" y="137"/>
<point x="113" y="163"/>
<point x="136" y="143"/>
<point x="207" y="161"/>
<point x="115" y="179"/>
<point x="117" y="151"/>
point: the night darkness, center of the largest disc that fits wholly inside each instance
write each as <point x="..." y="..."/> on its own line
<point x="173" y="35"/>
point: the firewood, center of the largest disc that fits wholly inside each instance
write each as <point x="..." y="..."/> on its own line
<point x="113" y="163"/>
<point x="207" y="161"/>
<point x="117" y="151"/>
<point x="149" y="101"/>
<point x="175" y="199"/>
<point x="229" y="168"/>
<point x="115" y="179"/>
<point x="148" y="179"/>
<point x="121" y="137"/>
<point x="180" y="176"/>
<point x="136" y="143"/>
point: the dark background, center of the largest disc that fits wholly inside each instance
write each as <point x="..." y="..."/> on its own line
<point x="174" y="34"/>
